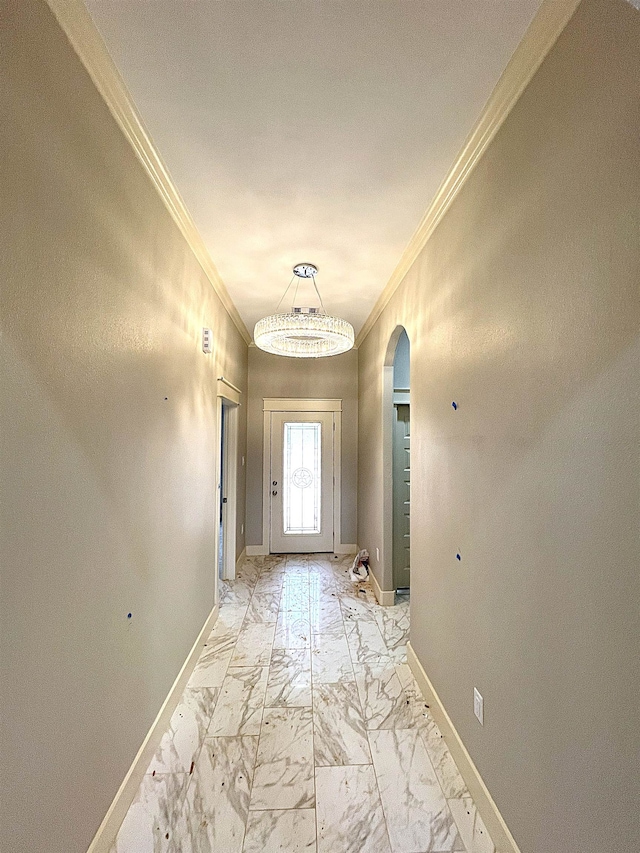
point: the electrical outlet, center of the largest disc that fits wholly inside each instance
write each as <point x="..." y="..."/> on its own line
<point x="478" y="705"/>
<point x="378" y="554"/>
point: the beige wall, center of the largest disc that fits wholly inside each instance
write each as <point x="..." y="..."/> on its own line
<point x="107" y="490"/>
<point x="332" y="378"/>
<point x="524" y="308"/>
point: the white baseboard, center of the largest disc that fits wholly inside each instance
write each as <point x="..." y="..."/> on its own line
<point x="106" y="834"/>
<point x="345" y="549"/>
<point x="495" y="823"/>
<point x="385" y="597"/>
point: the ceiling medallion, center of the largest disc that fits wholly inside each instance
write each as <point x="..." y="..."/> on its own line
<point x="303" y="332"/>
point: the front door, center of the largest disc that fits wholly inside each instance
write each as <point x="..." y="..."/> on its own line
<point x="301" y="487"/>
<point x="401" y="498"/>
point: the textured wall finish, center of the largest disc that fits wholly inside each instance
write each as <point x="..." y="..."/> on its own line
<point x="108" y="444"/>
<point x="331" y="378"/>
<point x="524" y="307"/>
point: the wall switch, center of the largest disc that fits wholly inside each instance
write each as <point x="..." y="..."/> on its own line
<point x="243" y="460"/>
<point x="378" y="554"/>
<point x="478" y="705"/>
<point x="207" y="340"/>
<point x="241" y="529"/>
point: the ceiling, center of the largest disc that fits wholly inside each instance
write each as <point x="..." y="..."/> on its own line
<point x="309" y="130"/>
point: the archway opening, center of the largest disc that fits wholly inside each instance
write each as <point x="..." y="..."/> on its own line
<point x="397" y="465"/>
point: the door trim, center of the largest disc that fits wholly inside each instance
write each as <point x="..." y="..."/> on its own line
<point x="229" y="449"/>
<point x="283" y="404"/>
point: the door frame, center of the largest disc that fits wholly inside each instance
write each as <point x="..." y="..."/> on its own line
<point x="284" y="404"/>
<point x="228" y="397"/>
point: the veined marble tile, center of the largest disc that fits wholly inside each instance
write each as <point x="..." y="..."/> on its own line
<point x="295" y="597"/>
<point x="283" y="777"/>
<point x="281" y="831"/>
<point x="217" y="802"/>
<point x="326" y="617"/>
<point x="229" y="621"/>
<point x="263" y="607"/>
<point x="399" y="654"/>
<point x="270" y="585"/>
<point x="418" y="818"/>
<point x="296" y="573"/>
<point x="349" y="812"/>
<point x="393" y="623"/>
<point x="447" y="772"/>
<point x="384" y="704"/>
<point x="248" y="572"/>
<point x="406" y="676"/>
<point x="253" y="647"/>
<point x="213" y="662"/>
<point x="293" y="630"/>
<point x="277" y="570"/>
<point x="366" y="644"/>
<point x="356" y="610"/>
<point x="181" y="840"/>
<point x="324" y="588"/>
<point x="181" y="743"/>
<point x="234" y="592"/>
<point x="153" y="815"/>
<point x="299" y="560"/>
<point x="324" y="601"/>
<point x="238" y="710"/>
<point x="340" y="736"/>
<point x="323" y="580"/>
<point x="471" y="826"/>
<point x="330" y="659"/>
<point x="324" y="563"/>
<point x="289" y="683"/>
<point x="269" y="561"/>
<point x="296" y="577"/>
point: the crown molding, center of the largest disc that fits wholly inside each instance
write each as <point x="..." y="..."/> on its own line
<point x="78" y="26"/>
<point x="543" y="32"/>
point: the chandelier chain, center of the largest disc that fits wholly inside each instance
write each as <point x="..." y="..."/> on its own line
<point x="295" y="295"/>
<point x="324" y="311"/>
<point x="285" y="293"/>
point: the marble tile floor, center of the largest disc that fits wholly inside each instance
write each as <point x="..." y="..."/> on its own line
<point x="303" y="729"/>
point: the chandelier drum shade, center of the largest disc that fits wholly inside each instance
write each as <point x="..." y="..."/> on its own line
<point x="304" y="332"/>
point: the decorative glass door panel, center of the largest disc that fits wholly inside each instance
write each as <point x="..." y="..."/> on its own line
<point x="301" y="490"/>
<point x="302" y="478"/>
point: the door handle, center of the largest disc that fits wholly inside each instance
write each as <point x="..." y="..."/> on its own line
<point x="274" y="492"/>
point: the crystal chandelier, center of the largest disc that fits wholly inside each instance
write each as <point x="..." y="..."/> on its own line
<point x="303" y="332"/>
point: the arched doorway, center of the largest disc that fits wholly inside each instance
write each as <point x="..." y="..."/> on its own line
<point x="396" y="463"/>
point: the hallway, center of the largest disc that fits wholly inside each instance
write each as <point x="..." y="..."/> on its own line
<point x="302" y="728"/>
